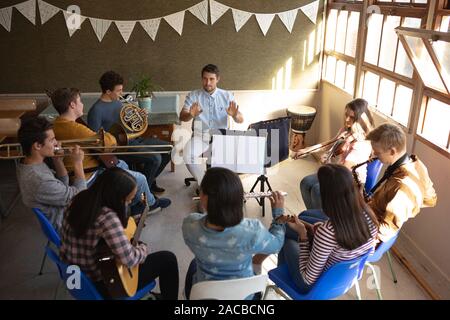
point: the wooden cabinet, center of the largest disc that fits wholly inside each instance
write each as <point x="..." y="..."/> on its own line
<point x="162" y="132"/>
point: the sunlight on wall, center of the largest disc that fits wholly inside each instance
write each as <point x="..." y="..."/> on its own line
<point x="288" y="74"/>
<point x="280" y="79"/>
<point x="311" y="44"/>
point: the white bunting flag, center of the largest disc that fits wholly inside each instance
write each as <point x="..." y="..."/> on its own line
<point x="217" y="10"/>
<point x="240" y="18"/>
<point x="310" y="10"/>
<point x="176" y="21"/>
<point x="28" y="9"/>
<point x="125" y="29"/>
<point x="100" y="27"/>
<point x="47" y="11"/>
<point x="73" y="21"/>
<point x="5" y="18"/>
<point x="288" y="18"/>
<point x="200" y="11"/>
<point x="264" y="21"/>
<point x="151" y="26"/>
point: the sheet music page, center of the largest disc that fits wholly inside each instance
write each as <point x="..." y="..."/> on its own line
<point x="224" y="152"/>
<point x="250" y="154"/>
<point x="241" y="154"/>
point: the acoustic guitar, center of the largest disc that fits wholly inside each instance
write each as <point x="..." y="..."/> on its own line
<point x="120" y="280"/>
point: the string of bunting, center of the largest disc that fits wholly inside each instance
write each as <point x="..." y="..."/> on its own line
<point x="74" y="19"/>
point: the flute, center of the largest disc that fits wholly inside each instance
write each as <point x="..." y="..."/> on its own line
<point x="251" y="195"/>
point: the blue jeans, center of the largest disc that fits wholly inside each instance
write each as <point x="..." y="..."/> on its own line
<point x="289" y="255"/>
<point x="141" y="184"/>
<point x="154" y="163"/>
<point x="311" y="216"/>
<point x="310" y="190"/>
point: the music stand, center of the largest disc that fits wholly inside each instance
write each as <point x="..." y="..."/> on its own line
<point x="272" y="156"/>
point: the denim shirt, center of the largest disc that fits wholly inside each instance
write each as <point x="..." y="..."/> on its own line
<point x="214" y="106"/>
<point x="228" y="254"/>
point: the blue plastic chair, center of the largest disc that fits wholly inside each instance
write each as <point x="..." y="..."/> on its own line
<point x="49" y="231"/>
<point x="87" y="290"/>
<point x="382" y="248"/>
<point x="332" y="283"/>
<point x="373" y="171"/>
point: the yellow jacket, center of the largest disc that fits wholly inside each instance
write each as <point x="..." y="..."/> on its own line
<point x="67" y="130"/>
<point x="401" y="197"/>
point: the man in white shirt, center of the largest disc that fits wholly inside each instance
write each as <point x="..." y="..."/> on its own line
<point x="210" y="108"/>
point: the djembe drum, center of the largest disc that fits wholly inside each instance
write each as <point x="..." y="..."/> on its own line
<point x="302" y="118"/>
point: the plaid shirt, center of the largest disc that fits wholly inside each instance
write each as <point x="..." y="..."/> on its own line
<point x="82" y="251"/>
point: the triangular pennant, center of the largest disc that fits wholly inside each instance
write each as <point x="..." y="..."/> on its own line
<point x="176" y="20"/>
<point x="310" y="10"/>
<point x="200" y="11"/>
<point x="288" y="18"/>
<point x="264" y="21"/>
<point x="28" y="9"/>
<point x="73" y="21"/>
<point x="5" y="18"/>
<point x="151" y="26"/>
<point x="125" y="29"/>
<point x="100" y="27"/>
<point x="47" y="11"/>
<point x="217" y="10"/>
<point x="240" y="18"/>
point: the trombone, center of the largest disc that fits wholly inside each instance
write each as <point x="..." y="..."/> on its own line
<point x="12" y="151"/>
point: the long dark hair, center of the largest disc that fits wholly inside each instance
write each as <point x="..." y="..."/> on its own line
<point x="361" y="107"/>
<point x="225" y="197"/>
<point x="344" y="205"/>
<point x="110" y="189"/>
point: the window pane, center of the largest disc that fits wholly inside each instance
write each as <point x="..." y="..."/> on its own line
<point x="424" y="64"/>
<point x="442" y="50"/>
<point x="373" y="38"/>
<point x="386" y="96"/>
<point x="436" y="125"/>
<point x="445" y="24"/>
<point x="402" y="104"/>
<point x="403" y="1"/>
<point x="352" y="34"/>
<point x="403" y="65"/>
<point x="331" y="68"/>
<point x="371" y="87"/>
<point x="340" y="33"/>
<point x="389" y="43"/>
<point x="331" y="30"/>
<point x="340" y="74"/>
<point x="419" y="1"/>
<point x="350" y="78"/>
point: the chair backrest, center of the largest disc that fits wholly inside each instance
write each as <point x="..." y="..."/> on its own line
<point x="48" y="229"/>
<point x="81" y="288"/>
<point x="337" y="280"/>
<point x="381" y="249"/>
<point x="233" y="289"/>
<point x="373" y="171"/>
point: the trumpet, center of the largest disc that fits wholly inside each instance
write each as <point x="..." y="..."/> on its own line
<point x="251" y="195"/>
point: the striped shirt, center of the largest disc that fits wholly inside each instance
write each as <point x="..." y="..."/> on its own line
<point x="82" y="251"/>
<point x="326" y="252"/>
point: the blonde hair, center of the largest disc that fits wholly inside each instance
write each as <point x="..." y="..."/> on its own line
<point x="388" y="136"/>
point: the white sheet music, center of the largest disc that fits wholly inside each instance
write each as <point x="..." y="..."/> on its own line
<point x="241" y="154"/>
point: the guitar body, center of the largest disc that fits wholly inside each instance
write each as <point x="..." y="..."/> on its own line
<point x="120" y="280"/>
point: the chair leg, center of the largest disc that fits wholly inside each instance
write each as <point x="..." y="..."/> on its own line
<point x="394" y="277"/>
<point x="43" y="260"/>
<point x="358" y="290"/>
<point x="377" y="283"/>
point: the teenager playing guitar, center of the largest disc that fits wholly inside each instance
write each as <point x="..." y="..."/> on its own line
<point x="100" y="213"/>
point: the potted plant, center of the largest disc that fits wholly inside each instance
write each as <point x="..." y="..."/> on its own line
<point x="144" y="88"/>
